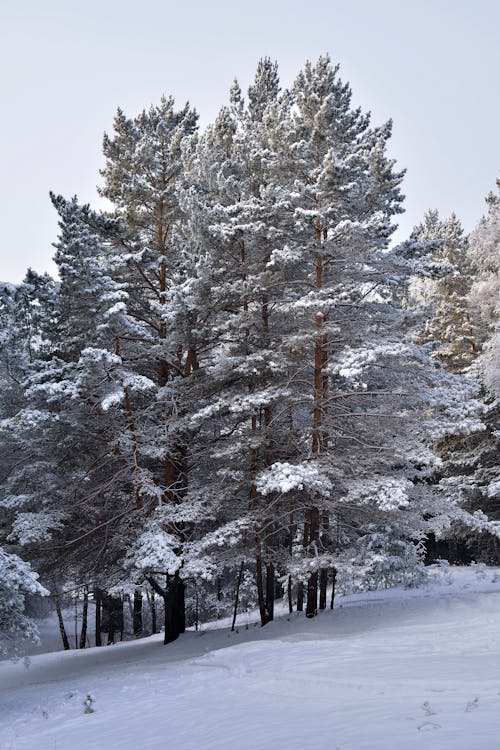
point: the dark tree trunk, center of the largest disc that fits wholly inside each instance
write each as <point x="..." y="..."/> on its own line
<point x="122" y="619"/>
<point x="334" y="578"/>
<point x="237" y="595"/>
<point x="85" y="612"/>
<point x="97" y="599"/>
<point x="115" y="615"/>
<point x="300" y="596"/>
<point x="137" y="614"/>
<point x="312" y="584"/>
<point x="270" y="591"/>
<point x="312" y="595"/>
<point x="154" y="625"/>
<point x="197" y="608"/>
<point x="323" y="582"/>
<point x="175" y="612"/>
<point x="290" y="601"/>
<point x="62" y="629"/>
<point x="259" y="579"/>
<point x="175" y="608"/>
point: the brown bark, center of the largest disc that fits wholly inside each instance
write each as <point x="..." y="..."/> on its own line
<point x="318" y="437"/>
<point x="191" y="364"/>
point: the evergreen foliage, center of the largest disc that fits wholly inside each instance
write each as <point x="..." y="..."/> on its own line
<point x="226" y="386"/>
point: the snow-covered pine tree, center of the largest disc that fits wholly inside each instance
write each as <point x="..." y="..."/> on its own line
<point x="445" y="292"/>
<point x="473" y="470"/>
<point x="293" y="212"/>
<point x="78" y="472"/>
<point x="17" y="580"/>
<point x="485" y="292"/>
<point x="142" y="177"/>
<point x="229" y="221"/>
<point x="454" y="329"/>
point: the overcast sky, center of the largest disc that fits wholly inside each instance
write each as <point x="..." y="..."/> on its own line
<point x="431" y="65"/>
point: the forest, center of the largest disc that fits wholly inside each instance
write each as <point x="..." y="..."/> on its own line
<point x="238" y="389"/>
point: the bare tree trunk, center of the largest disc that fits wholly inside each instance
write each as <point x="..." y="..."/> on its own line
<point x="289" y="591"/>
<point x="270" y="591"/>
<point x="260" y="579"/>
<point x="85" y="611"/>
<point x="97" y="599"/>
<point x="300" y="597"/>
<point x="312" y="584"/>
<point x="323" y="583"/>
<point x="318" y="434"/>
<point x="312" y="595"/>
<point x="76" y="620"/>
<point x="137" y="613"/>
<point x="237" y="595"/>
<point x="122" y="619"/>
<point x="334" y="578"/>
<point x="154" y="624"/>
<point x="115" y="607"/>
<point x="197" y="609"/>
<point x="152" y="605"/>
<point x="62" y="629"/>
<point x="175" y="609"/>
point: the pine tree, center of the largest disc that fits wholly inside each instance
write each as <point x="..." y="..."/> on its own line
<point x="449" y="323"/>
<point x="457" y="334"/>
<point x="17" y="580"/>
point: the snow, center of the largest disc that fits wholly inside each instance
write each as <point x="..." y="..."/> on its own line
<point x="402" y="669"/>
<point x="285" y="477"/>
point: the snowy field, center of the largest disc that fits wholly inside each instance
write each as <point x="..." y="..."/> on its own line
<point x="392" y="670"/>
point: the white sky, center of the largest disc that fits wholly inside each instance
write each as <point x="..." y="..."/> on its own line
<point x="431" y="65"/>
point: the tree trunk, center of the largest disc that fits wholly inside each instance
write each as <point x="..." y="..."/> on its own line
<point x="154" y="625"/>
<point x="115" y="610"/>
<point x="259" y="579"/>
<point x="334" y="578"/>
<point x="62" y="629"/>
<point x="312" y="595"/>
<point x="97" y="599"/>
<point x="85" y="611"/>
<point x="175" y="607"/>
<point x="318" y="434"/>
<point x="237" y="595"/>
<point x="137" y="613"/>
<point x="312" y="584"/>
<point x="323" y="582"/>
<point x="270" y="591"/>
<point x="122" y="619"/>
<point x="290" y="602"/>
<point x="300" y="597"/>
<point x="175" y="613"/>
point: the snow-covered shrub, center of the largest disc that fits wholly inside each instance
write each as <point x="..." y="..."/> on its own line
<point x="387" y="559"/>
<point x="17" y="579"/>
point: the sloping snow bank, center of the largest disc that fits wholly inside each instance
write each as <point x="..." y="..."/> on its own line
<point x="396" y="670"/>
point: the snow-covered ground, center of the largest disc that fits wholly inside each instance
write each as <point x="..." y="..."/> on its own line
<point x="395" y="670"/>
